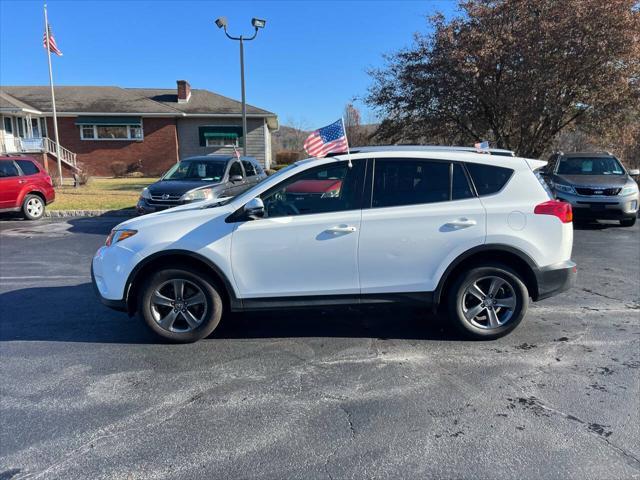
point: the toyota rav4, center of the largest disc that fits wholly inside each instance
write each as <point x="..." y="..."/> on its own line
<point x="479" y="235"/>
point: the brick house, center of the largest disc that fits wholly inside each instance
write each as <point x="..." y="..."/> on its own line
<point x="150" y="127"/>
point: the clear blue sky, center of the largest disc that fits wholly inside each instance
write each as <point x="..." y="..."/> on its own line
<point x="310" y="60"/>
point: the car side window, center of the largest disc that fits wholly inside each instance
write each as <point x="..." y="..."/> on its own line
<point x="235" y="169"/>
<point x="399" y="182"/>
<point x="8" y="169"/>
<point x="460" y="188"/>
<point x="27" y="167"/>
<point x="249" y="168"/>
<point x="328" y="188"/>
<point x="488" y="179"/>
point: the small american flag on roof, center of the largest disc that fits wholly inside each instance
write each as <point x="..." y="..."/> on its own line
<point x="325" y="140"/>
<point x="481" y="145"/>
<point x="53" y="48"/>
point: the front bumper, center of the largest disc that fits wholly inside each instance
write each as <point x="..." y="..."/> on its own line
<point x="556" y="278"/>
<point x="120" y="305"/>
<point x="143" y="207"/>
<point x="601" y="207"/>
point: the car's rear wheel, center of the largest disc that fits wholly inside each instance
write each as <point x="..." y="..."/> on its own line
<point x="33" y="207"/>
<point x="181" y="304"/>
<point x="628" y="222"/>
<point x="488" y="302"/>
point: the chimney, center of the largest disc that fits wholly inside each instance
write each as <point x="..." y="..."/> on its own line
<point x="184" y="91"/>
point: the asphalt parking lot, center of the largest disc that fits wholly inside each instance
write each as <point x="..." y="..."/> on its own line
<point x="387" y="393"/>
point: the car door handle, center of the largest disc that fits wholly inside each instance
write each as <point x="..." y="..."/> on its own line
<point x="461" y="223"/>
<point x="342" y="229"/>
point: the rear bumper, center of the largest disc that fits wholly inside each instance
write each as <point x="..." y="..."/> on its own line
<point x="556" y="278"/>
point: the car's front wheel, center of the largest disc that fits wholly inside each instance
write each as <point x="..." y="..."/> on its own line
<point x="181" y="304"/>
<point x="488" y="302"/>
<point x="33" y="207"/>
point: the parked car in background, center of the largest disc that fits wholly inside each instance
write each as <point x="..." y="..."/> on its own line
<point x="595" y="184"/>
<point x="201" y="178"/>
<point x="24" y="187"/>
<point x="479" y="235"/>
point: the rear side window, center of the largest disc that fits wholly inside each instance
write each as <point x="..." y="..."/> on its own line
<point x="235" y="169"/>
<point x="488" y="179"/>
<point x="8" y="169"/>
<point x="249" y="168"/>
<point x="460" y="188"/>
<point x="410" y="182"/>
<point x="27" y="167"/>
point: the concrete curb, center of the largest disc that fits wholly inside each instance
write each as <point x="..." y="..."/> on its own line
<point x="90" y="213"/>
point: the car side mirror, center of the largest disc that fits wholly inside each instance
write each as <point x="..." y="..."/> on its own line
<point x="235" y="178"/>
<point x="254" y="208"/>
<point x="634" y="172"/>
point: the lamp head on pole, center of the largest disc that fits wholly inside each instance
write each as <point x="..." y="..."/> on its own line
<point x="221" y="22"/>
<point x="258" y="23"/>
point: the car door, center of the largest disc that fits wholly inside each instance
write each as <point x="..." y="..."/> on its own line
<point x="423" y="214"/>
<point x="10" y="184"/>
<point x="306" y="244"/>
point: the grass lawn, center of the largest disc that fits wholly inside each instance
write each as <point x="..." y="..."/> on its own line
<point x="101" y="194"/>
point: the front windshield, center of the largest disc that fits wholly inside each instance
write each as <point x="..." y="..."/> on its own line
<point x="205" y="170"/>
<point x="590" y="166"/>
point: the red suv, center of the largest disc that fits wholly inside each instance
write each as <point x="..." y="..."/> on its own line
<point x="24" y="186"/>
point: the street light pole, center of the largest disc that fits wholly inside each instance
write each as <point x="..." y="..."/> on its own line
<point x="257" y="23"/>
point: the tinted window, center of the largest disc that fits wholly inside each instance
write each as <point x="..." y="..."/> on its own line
<point x="196" y="170"/>
<point x="27" y="167"/>
<point x="8" y="169"/>
<point x="488" y="179"/>
<point x="235" y="169"/>
<point x="410" y="182"/>
<point x="590" y="166"/>
<point x="330" y="188"/>
<point x="460" y="187"/>
<point x="249" y="168"/>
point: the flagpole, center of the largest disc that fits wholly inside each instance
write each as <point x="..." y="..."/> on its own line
<point x="53" y="95"/>
<point x="344" y="129"/>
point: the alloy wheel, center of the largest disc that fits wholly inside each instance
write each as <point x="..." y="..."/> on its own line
<point x="489" y="302"/>
<point x="34" y="207"/>
<point x="178" y="306"/>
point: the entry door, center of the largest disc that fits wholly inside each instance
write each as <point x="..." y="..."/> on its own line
<point x="307" y="244"/>
<point x="7" y="133"/>
<point x="423" y="215"/>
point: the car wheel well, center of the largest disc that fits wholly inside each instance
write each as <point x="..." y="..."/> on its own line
<point x="37" y="194"/>
<point x="487" y="258"/>
<point x="174" y="261"/>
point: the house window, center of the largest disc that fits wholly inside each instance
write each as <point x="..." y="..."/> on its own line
<point x="222" y="140"/>
<point x="88" y="132"/>
<point x="111" y="132"/>
<point x="220" y="136"/>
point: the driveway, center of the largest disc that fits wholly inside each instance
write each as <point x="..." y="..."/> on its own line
<point x="345" y="393"/>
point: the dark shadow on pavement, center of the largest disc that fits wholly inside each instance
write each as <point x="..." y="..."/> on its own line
<point x="74" y="314"/>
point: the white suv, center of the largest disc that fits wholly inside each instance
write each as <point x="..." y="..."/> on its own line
<point x="478" y="234"/>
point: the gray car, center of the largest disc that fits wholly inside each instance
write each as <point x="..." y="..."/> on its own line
<point x="596" y="184"/>
<point x="201" y="178"/>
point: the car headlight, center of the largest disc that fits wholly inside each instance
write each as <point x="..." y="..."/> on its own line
<point x="146" y="194"/>
<point x="564" y="188"/>
<point x="118" y="235"/>
<point x="331" y="194"/>
<point x="629" y="189"/>
<point x="196" y="195"/>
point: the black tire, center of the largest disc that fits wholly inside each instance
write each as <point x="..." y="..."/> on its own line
<point x="33" y="207"/>
<point x="209" y="311"/>
<point x="628" y="222"/>
<point x="459" y="300"/>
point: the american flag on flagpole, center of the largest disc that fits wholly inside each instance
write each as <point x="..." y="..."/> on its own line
<point x="325" y="140"/>
<point x="53" y="48"/>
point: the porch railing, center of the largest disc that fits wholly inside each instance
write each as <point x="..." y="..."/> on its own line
<point x="43" y="144"/>
<point x="66" y="155"/>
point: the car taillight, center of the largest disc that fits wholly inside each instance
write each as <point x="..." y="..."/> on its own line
<point x="562" y="210"/>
